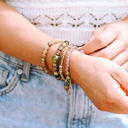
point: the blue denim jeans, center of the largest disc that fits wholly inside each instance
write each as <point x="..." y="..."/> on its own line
<point x="31" y="99"/>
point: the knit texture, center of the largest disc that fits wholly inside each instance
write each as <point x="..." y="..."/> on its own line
<point x="73" y="20"/>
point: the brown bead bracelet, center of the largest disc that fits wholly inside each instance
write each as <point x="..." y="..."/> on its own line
<point x="44" y="54"/>
<point x="56" y="58"/>
<point x="68" y="80"/>
<point x="61" y="63"/>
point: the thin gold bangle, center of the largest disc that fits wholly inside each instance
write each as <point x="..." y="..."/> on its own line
<point x="61" y="63"/>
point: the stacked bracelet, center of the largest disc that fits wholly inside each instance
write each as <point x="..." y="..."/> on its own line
<point x="58" y="62"/>
<point x="61" y="63"/>
<point x="44" y="54"/>
<point x="56" y="58"/>
<point x="68" y="81"/>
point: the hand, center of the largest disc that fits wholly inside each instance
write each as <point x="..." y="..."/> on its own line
<point x="111" y="42"/>
<point x="102" y="80"/>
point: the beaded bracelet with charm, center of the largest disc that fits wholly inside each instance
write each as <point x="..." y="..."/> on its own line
<point x="68" y="81"/>
<point x="44" y="54"/>
<point x="61" y="63"/>
<point x="56" y="58"/>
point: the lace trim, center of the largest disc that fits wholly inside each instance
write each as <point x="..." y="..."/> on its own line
<point x="72" y="19"/>
<point x="87" y="15"/>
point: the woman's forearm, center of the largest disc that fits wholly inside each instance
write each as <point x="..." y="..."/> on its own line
<point x="18" y="37"/>
<point x="21" y="39"/>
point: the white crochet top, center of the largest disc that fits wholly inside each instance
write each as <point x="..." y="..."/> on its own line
<point x="73" y="20"/>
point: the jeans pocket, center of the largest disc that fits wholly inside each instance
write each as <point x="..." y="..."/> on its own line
<point x="8" y="79"/>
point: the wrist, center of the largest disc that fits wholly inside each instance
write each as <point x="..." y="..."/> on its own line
<point x="76" y="65"/>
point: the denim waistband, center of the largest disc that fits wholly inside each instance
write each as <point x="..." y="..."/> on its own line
<point x="17" y="62"/>
<point x="22" y="66"/>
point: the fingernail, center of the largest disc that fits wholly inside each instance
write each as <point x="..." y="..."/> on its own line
<point x="82" y="51"/>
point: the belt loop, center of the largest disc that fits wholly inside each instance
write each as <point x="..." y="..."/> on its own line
<point x="26" y="71"/>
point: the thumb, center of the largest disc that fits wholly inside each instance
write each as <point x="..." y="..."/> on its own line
<point x="90" y="46"/>
<point x="99" y="40"/>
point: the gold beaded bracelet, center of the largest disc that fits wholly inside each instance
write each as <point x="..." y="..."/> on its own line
<point x="61" y="63"/>
<point x="58" y="69"/>
<point x="56" y="58"/>
<point x="44" y="54"/>
<point x="68" y="80"/>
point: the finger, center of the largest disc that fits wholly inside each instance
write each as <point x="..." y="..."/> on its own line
<point x="125" y="66"/>
<point x="121" y="58"/>
<point x="122" y="101"/>
<point x="118" y="98"/>
<point x="116" y="85"/>
<point x="98" y="40"/>
<point x="121" y="76"/>
<point x="111" y="50"/>
<point x="121" y="91"/>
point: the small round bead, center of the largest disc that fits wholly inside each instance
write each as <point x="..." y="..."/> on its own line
<point x="42" y="59"/>
<point x="65" y="43"/>
<point x="56" y="73"/>
<point x="66" y="87"/>
<point x="55" y="59"/>
<point x="46" y="71"/>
